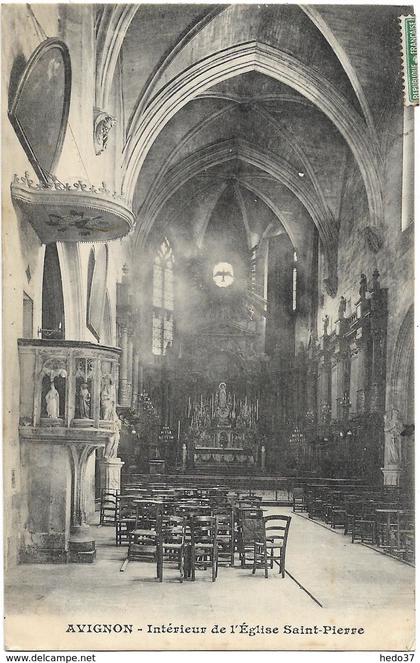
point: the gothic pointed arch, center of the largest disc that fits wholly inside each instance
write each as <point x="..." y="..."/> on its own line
<point x="254" y="56"/>
<point x="278" y="168"/>
<point x="402" y="366"/>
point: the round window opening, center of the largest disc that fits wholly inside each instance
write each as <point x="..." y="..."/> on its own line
<point x="223" y="274"/>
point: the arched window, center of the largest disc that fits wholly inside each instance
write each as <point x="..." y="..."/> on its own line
<point x="52" y="296"/>
<point x="294" y="282"/>
<point x="96" y="289"/>
<point x="163" y="299"/>
<point x="91" y="269"/>
<point x="106" y="331"/>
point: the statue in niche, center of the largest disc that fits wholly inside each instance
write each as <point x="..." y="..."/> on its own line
<point x="84" y="401"/>
<point x="108" y="399"/>
<point x="363" y="286"/>
<point x="222" y="395"/>
<point x="325" y="321"/>
<point x="103" y="124"/>
<point x="52" y="400"/>
<point x="111" y="447"/>
<point x="342" y="308"/>
<point x="393" y="427"/>
<point x="223" y="402"/>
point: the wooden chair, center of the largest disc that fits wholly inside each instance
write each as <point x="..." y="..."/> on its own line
<point x="203" y="549"/>
<point x="316" y="508"/>
<point x="225" y="535"/>
<point x="299" y="499"/>
<point x="147" y="513"/>
<point x="108" y="507"/>
<point x="271" y="548"/>
<point x="171" y="544"/>
<point x="364" y="525"/>
<point x="125" y="519"/>
<point x="143" y="538"/>
<point x="250" y="528"/>
<point x="192" y="507"/>
<point x="353" y="509"/>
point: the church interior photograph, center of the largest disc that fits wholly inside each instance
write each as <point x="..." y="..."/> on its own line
<point x="208" y="327"/>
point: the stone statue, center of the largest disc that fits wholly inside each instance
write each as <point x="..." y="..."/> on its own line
<point x="375" y="282"/>
<point x="53" y="402"/>
<point x="326" y="320"/>
<point x="111" y="447"/>
<point x="103" y="124"/>
<point x="84" y="401"/>
<point x="184" y="456"/>
<point x="363" y="286"/>
<point x="342" y="308"/>
<point x="393" y="427"/>
<point x="107" y="399"/>
<point x="222" y="395"/>
<point x="373" y="237"/>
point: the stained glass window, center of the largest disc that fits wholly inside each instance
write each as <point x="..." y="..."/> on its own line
<point x="163" y="299"/>
<point x="223" y="274"/>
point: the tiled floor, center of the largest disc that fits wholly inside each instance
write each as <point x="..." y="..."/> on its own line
<point x="347" y="579"/>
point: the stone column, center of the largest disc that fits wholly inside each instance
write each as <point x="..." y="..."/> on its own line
<point x="81" y="542"/>
<point x="141" y="379"/>
<point x="342" y="386"/>
<point x="324" y="399"/>
<point x="354" y="372"/>
<point x="377" y="389"/>
<point x="110" y="474"/>
<point x="135" y="386"/>
<point x="311" y="388"/>
<point x="362" y="373"/>
<point x="123" y="394"/>
<point x="334" y="386"/>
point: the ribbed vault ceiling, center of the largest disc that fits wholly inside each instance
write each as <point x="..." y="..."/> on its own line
<point x="289" y="156"/>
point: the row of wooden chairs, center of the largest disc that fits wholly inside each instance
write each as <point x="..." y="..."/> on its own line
<point x="161" y="526"/>
<point x="381" y="518"/>
<point x="203" y="542"/>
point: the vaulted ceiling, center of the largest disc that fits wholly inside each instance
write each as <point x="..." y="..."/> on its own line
<point x="267" y="104"/>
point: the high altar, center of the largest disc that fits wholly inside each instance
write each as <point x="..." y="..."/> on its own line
<point x="222" y="428"/>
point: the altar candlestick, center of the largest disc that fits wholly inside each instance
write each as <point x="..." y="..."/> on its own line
<point x="189" y="406"/>
<point x="179" y="429"/>
<point x="257" y="409"/>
